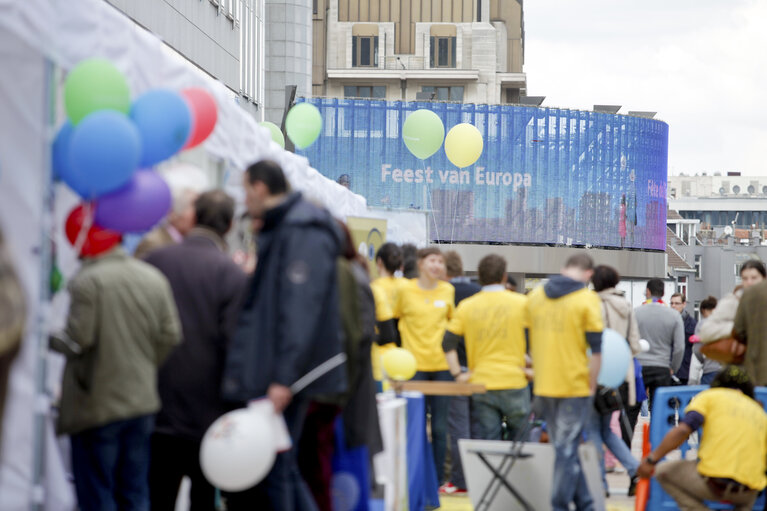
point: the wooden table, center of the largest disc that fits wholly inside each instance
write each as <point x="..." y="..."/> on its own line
<point x="439" y="388"/>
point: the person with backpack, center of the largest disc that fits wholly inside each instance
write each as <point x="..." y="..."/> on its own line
<point x="617" y="314"/>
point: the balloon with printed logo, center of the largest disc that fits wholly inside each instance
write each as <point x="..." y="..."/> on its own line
<point x="164" y="121"/>
<point x="103" y="154"/>
<point x="399" y="364"/>
<point x="423" y="133"/>
<point x="93" y="240"/>
<point x="303" y="124"/>
<point x="93" y="85"/>
<point x="137" y="206"/>
<point x="616" y="357"/>
<point x="463" y="145"/>
<point x="237" y="451"/>
<point x="275" y="132"/>
<point x="204" y="115"/>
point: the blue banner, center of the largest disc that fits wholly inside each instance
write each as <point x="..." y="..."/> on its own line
<point x="546" y="175"/>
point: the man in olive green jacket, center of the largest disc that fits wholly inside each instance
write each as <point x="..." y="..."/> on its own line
<point x="751" y="328"/>
<point x="122" y="324"/>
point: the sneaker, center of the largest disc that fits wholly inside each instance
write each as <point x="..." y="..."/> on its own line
<point x="633" y="486"/>
<point x="451" y="489"/>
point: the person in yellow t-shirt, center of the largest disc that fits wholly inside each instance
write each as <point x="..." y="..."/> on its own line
<point x="565" y="320"/>
<point x="492" y="324"/>
<point x="424" y="306"/>
<point x="733" y="447"/>
<point x="385" y="288"/>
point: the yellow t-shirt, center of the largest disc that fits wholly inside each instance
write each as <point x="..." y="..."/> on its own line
<point x="492" y="324"/>
<point x="423" y="316"/>
<point x="558" y="344"/>
<point x="385" y="295"/>
<point x="734" y="439"/>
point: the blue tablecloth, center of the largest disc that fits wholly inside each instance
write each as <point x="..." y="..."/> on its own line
<point x="422" y="475"/>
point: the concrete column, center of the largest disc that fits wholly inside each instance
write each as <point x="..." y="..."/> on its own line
<point x="288" y="53"/>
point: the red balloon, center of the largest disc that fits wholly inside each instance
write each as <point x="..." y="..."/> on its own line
<point x="204" y="115"/>
<point x="97" y="241"/>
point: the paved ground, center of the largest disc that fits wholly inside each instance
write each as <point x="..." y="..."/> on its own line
<point x="617" y="481"/>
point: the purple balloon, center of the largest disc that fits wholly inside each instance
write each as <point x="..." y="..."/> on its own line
<point x="136" y="207"/>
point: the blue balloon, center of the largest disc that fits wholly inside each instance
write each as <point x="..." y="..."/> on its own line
<point x="616" y="356"/>
<point x="103" y="154"/>
<point x="60" y="150"/>
<point x="164" y="121"/>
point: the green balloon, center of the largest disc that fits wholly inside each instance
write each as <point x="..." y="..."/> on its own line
<point x="423" y="133"/>
<point x="95" y="84"/>
<point x="275" y="132"/>
<point x="303" y="124"/>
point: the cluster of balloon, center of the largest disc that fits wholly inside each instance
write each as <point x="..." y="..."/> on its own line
<point x="239" y="448"/>
<point x="423" y="133"/>
<point x="303" y="125"/>
<point x="106" y="149"/>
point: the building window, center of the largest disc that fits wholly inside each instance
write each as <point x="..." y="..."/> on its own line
<point x="698" y="267"/>
<point x="365" y="91"/>
<point x="697" y="310"/>
<point x="315" y="7"/>
<point x="443" y="51"/>
<point x="365" y="51"/>
<point x="454" y="93"/>
<point x="736" y="189"/>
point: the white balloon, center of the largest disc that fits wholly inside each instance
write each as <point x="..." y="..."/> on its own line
<point x="644" y="345"/>
<point x="237" y="451"/>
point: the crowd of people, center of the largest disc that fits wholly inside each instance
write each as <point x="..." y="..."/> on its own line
<point x="160" y="345"/>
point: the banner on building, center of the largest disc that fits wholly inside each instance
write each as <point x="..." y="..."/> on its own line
<point x="546" y="175"/>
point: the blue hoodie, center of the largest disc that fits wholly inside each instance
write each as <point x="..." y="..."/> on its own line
<point x="559" y="286"/>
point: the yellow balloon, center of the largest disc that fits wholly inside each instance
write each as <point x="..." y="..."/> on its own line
<point x="399" y="364"/>
<point x="463" y="145"/>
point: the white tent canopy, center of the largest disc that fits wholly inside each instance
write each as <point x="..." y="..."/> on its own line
<point x="38" y="38"/>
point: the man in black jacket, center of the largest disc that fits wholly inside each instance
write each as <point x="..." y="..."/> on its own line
<point x="678" y="303"/>
<point x="208" y="288"/>
<point x="290" y="323"/>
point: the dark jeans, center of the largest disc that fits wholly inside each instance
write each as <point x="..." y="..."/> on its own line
<point x="111" y="465"/>
<point x="458" y="426"/>
<point x="707" y="378"/>
<point x="315" y="452"/>
<point x="283" y="488"/>
<point x="436" y="408"/>
<point x="599" y="433"/>
<point x="489" y="409"/>
<point x="653" y="377"/>
<point x="566" y="419"/>
<point x="174" y="457"/>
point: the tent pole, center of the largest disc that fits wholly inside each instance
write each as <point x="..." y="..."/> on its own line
<point x="42" y="399"/>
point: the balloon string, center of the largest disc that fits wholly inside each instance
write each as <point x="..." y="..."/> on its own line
<point x="82" y="236"/>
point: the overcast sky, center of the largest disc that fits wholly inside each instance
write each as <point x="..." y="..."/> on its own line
<point x="701" y="64"/>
